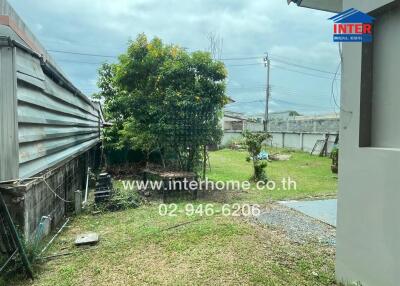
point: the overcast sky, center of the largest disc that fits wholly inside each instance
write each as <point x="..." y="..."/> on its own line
<point x="298" y="40"/>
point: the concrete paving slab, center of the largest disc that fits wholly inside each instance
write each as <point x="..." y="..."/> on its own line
<point x="323" y="210"/>
<point x="89" y="238"/>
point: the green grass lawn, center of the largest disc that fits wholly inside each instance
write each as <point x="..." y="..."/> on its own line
<point x="312" y="174"/>
<point x="137" y="248"/>
<point x="141" y="247"/>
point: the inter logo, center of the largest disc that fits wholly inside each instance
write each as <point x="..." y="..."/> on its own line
<point x="352" y="26"/>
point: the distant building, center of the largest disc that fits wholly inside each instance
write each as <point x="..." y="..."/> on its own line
<point x="282" y="114"/>
<point x="234" y="123"/>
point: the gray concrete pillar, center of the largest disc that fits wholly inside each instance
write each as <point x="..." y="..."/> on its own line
<point x="301" y="142"/>
<point x="78" y="202"/>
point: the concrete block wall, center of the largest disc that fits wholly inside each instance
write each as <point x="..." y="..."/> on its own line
<point x="305" y="124"/>
<point x="230" y="136"/>
<point x="32" y="199"/>
<point x="300" y="141"/>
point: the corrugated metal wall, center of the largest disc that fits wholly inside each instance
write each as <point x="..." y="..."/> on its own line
<point x="44" y="118"/>
<point x="54" y="124"/>
<point x="8" y="122"/>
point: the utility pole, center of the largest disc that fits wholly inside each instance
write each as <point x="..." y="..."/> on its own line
<point x="267" y="64"/>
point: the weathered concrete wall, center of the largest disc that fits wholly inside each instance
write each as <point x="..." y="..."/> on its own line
<point x="254" y="126"/>
<point x="32" y="199"/>
<point x="299" y="132"/>
<point x="300" y="140"/>
<point x="322" y="124"/>
<point x="230" y="136"/>
<point x="303" y="141"/>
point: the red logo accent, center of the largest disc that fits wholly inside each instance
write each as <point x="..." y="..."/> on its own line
<point x="350" y="28"/>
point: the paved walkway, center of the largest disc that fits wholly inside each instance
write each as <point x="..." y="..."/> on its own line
<point x="297" y="226"/>
<point x="323" y="210"/>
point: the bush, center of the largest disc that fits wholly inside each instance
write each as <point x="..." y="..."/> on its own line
<point x="254" y="143"/>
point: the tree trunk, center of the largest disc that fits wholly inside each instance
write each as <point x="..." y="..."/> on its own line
<point x="204" y="161"/>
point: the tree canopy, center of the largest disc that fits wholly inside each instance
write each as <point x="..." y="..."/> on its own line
<point x="162" y="98"/>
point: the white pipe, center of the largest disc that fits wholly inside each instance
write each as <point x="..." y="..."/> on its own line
<point x="87" y="186"/>
<point x="54" y="237"/>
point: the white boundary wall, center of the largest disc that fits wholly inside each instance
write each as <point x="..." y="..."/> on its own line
<point x="303" y="141"/>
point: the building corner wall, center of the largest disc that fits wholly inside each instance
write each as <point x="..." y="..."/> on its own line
<point x="367" y="249"/>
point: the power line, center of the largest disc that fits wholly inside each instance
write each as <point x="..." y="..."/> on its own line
<point x="275" y="58"/>
<point x="110" y="56"/>
<point x="298" y="104"/>
<point x="225" y="59"/>
<point x="304" y="67"/>
<point x="240" y="59"/>
<point x="293" y="90"/>
<point x="245" y="102"/>
<point x="244" y="65"/>
<point x="300" y="72"/>
<point x="298" y="92"/>
<point x="81" y="62"/>
<point x="297" y="61"/>
<point x="260" y="87"/>
<point x="81" y="54"/>
<point x="312" y="103"/>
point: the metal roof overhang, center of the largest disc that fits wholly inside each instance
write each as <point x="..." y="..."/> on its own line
<point x="323" y="5"/>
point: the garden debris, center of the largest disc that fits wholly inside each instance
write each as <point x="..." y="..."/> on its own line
<point x="124" y="170"/>
<point x="263" y="155"/>
<point x="103" y="188"/>
<point x="63" y="254"/>
<point x="279" y="157"/>
<point x="234" y="146"/>
<point x="89" y="238"/>
<point x="182" y="224"/>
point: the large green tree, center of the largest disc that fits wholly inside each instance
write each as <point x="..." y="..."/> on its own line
<point x="160" y="97"/>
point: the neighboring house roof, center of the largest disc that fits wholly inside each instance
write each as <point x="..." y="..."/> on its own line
<point x="352" y="16"/>
<point x="327" y="116"/>
<point x="235" y="115"/>
<point x="289" y="112"/>
<point x="230" y="100"/>
<point x="233" y="119"/>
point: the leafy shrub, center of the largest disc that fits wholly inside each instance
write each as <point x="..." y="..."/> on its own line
<point x="254" y="143"/>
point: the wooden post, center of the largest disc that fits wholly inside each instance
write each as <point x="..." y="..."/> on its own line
<point x="324" y="150"/>
<point x="16" y="238"/>
<point x="78" y="202"/>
